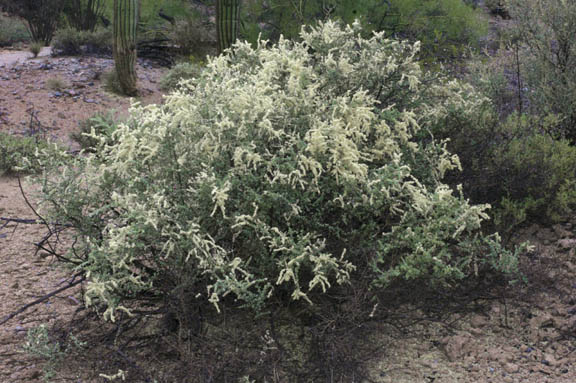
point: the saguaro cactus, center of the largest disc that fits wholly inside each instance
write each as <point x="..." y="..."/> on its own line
<point x="125" y="21"/>
<point x="227" y="20"/>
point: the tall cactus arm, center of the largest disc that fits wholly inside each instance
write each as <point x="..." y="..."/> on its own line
<point x="227" y="20"/>
<point x="125" y="22"/>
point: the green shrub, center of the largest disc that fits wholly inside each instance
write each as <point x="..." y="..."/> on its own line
<point x="35" y="49"/>
<point x="538" y="179"/>
<point x="56" y="83"/>
<point x="494" y="76"/>
<point x="39" y="343"/>
<point x="67" y="41"/>
<point x="12" y="31"/>
<point x="70" y="41"/>
<point x="182" y="71"/>
<point x="94" y="130"/>
<point x="281" y="173"/>
<point x="15" y="153"/>
<point x="516" y="165"/>
<point x="446" y="28"/>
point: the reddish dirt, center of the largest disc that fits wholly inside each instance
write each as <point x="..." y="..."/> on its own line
<point x="27" y="88"/>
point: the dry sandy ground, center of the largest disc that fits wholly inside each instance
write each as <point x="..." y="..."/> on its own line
<point x="24" y="278"/>
<point x="28" y="92"/>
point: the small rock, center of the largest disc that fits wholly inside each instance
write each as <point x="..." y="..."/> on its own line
<point x="511" y="368"/>
<point x="549" y="360"/>
<point x="478" y="321"/>
<point x="541" y="321"/>
<point x="456" y="347"/>
<point x="546" y="234"/>
<point x="567" y="244"/>
<point x="560" y="231"/>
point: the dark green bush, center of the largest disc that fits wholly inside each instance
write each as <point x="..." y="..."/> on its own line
<point x="538" y="178"/>
<point x="182" y="71"/>
<point x="70" y="41"/>
<point x="516" y="165"/>
<point x="12" y="31"/>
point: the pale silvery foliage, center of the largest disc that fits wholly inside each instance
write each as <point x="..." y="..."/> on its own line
<point x="282" y="171"/>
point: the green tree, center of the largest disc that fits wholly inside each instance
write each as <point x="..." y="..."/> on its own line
<point x="41" y="16"/>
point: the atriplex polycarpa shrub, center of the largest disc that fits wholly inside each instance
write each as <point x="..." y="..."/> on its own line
<point x="280" y="173"/>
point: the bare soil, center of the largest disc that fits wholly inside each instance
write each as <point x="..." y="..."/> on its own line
<point x="491" y="332"/>
<point x="60" y="92"/>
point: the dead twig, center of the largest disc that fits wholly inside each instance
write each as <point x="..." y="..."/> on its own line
<point x="30" y="222"/>
<point x="71" y="284"/>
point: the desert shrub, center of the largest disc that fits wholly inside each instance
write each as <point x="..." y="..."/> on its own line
<point x="496" y="77"/>
<point x="67" y="41"/>
<point x="41" y="16"/>
<point x="446" y="28"/>
<point x="98" y="41"/>
<point x="547" y="29"/>
<point x="35" y="49"/>
<point x="94" y="130"/>
<point x="42" y="344"/>
<point x="515" y="164"/>
<point x="538" y="178"/>
<point x="182" y="71"/>
<point x="15" y="150"/>
<point x="12" y="31"/>
<point x="70" y="41"/>
<point x="192" y="36"/>
<point x="56" y="83"/>
<point x="281" y="173"/>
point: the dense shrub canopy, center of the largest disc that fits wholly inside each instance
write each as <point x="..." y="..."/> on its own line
<point x="279" y="173"/>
